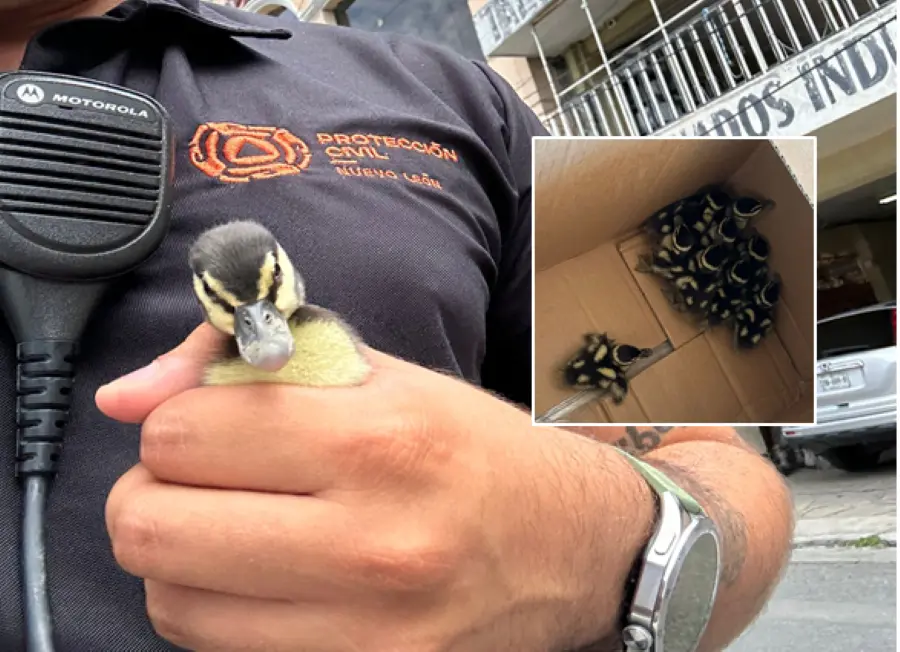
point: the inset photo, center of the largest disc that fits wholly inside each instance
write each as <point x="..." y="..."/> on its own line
<point x="674" y="281"/>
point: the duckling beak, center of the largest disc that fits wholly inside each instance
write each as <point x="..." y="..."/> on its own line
<point x="263" y="336"/>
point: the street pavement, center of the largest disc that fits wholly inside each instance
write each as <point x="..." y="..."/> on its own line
<point x="830" y="600"/>
<point x="833" y="505"/>
<point x="833" y="597"/>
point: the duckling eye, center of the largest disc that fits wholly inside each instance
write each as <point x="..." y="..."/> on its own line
<point x="207" y="289"/>
<point x="276" y="274"/>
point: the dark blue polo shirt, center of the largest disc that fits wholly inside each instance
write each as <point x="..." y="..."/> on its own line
<point x="397" y="176"/>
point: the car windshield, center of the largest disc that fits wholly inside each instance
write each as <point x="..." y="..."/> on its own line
<point x="856" y="333"/>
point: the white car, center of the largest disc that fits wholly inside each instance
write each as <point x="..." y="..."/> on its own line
<point x="856" y="404"/>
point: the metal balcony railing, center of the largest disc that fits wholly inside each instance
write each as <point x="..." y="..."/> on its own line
<point x="701" y="54"/>
<point x="497" y="20"/>
<point x="306" y="10"/>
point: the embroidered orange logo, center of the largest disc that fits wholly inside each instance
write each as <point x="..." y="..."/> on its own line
<point x="237" y="153"/>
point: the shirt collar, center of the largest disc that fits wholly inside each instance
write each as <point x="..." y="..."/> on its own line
<point x="250" y="25"/>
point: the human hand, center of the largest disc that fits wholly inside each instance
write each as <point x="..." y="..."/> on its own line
<point x="413" y="513"/>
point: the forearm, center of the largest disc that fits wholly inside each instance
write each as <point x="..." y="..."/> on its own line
<point x="751" y="505"/>
<point x="745" y="497"/>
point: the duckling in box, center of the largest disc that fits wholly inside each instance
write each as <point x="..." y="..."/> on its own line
<point x="711" y="258"/>
<point x="602" y="364"/>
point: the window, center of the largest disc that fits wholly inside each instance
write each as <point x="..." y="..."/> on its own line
<point x="858" y="332"/>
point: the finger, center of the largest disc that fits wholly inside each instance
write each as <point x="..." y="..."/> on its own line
<point x="207" y="621"/>
<point x="288" y="439"/>
<point x="243" y="543"/>
<point x="132" y="397"/>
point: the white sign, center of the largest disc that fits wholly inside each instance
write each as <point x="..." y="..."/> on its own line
<point x="846" y="73"/>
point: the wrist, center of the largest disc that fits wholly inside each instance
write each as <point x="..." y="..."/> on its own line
<point x="619" y="513"/>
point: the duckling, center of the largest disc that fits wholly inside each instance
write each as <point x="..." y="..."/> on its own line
<point x="710" y="260"/>
<point x="766" y="295"/>
<point x="618" y="390"/>
<point x="720" y="309"/>
<point x="756" y="249"/>
<point x="602" y="364"/>
<point x="671" y="256"/>
<point x="692" y="293"/>
<point x="725" y="231"/>
<point x="697" y="215"/>
<point x="715" y="200"/>
<point x="589" y="368"/>
<point x="715" y="197"/>
<point x="694" y="289"/>
<point x="747" y="209"/>
<point x="249" y="289"/>
<point x="625" y="355"/>
<point x="729" y="294"/>
<point x="663" y="221"/>
<point x="751" y="326"/>
<point x="754" y="319"/>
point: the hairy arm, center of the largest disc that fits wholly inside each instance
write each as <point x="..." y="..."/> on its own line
<point x="746" y="497"/>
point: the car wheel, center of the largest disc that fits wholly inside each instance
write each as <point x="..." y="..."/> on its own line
<point x="785" y="459"/>
<point x="853" y="458"/>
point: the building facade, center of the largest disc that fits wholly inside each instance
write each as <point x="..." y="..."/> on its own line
<point x="765" y="68"/>
<point x="730" y="68"/>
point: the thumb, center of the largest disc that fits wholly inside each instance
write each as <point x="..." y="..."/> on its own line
<point x="133" y="396"/>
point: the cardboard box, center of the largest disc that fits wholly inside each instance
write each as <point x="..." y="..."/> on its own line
<point x="590" y="198"/>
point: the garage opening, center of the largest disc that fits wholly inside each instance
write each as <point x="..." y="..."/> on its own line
<point x="857" y="252"/>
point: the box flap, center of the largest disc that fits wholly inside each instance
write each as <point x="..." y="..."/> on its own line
<point x="790" y="229"/>
<point x="577" y="297"/>
<point x="799" y="156"/>
<point x="687" y="386"/>
<point x="764" y="379"/>
<point x="589" y="191"/>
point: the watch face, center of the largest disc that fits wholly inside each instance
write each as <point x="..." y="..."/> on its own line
<point x="692" y="596"/>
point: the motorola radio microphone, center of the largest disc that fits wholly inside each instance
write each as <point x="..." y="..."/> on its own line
<point x="85" y="196"/>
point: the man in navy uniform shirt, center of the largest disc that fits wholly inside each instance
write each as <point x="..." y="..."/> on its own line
<point x="413" y="514"/>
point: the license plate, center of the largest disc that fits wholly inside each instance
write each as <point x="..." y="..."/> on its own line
<point x="834" y="382"/>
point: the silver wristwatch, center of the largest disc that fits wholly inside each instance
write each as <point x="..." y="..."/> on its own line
<point x="678" y="575"/>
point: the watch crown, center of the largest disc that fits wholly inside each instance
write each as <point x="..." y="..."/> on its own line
<point x="636" y="638"/>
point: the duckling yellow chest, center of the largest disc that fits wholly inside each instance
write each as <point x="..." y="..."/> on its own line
<point x="326" y="354"/>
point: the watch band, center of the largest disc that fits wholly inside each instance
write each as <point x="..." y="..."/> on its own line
<point x="648" y="592"/>
<point x="661" y="483"/>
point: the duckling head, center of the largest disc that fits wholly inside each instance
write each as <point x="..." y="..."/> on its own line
<point x="682" y="239"/>
<point x="729" y="230"/>
<point x="739" y="272"/>
<point x="248" y="288"/>
<point x="713" y="257"/>
<point x="758" y="248"/>
<point x="625" y="355"/>
<point x="770" y="293"/>
<point x="743" y="209"/>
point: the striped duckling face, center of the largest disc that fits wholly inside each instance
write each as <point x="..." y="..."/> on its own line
<point x="625" y="355"/>
<point x="744" y="209"/>
<point x="769" y="293"/>
<point x="248" y="288"/>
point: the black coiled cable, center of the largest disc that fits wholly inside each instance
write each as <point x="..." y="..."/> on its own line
<point x="44" y="380"/>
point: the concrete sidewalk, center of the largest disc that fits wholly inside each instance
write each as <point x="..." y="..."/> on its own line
<point x="833" y="507"/>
